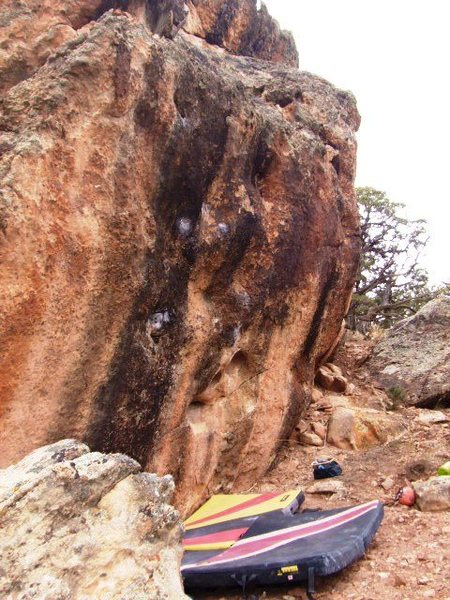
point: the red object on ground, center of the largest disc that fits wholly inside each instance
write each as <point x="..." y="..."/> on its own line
<point x="407" y="496"/>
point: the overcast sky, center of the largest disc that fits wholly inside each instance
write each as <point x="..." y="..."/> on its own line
<point x="394" y="56"/>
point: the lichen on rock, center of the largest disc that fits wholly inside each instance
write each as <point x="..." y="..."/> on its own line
<point x="412" y="362"/>
<point x="83" y="525"/>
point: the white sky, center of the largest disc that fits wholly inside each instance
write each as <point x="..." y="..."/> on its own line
<point x="394" y="55"/>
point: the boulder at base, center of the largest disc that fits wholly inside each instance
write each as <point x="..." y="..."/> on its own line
<point x="330" y="378"/>
<point x="434" y="494"/>
<point x="84" y="525"/>
<point x="355" y="429"/>
<point x="414" y="357"/>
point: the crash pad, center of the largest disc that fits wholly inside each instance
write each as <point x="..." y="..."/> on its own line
<point x="225" y="518"/>
<point x="284" y="548"/>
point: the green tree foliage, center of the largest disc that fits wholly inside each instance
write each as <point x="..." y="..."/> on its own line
<point x="391" y="284"/>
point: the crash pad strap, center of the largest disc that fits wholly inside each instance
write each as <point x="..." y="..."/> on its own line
<point x="311" y="584"/>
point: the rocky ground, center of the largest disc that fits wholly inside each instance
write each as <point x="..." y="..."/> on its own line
<point x="409" y="558"/>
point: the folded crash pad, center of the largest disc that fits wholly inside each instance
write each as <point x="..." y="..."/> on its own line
<point x="225" y="518"/>
<point x="281" y="548"/>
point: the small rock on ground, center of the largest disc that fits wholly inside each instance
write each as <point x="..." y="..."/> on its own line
<point x="434" y="494"/>
<point x="327" y="486"/>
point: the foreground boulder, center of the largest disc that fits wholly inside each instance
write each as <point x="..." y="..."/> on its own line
<point x="81" y="525"/>
<point x="179" y="235"/>
<point x="413" y="359"/>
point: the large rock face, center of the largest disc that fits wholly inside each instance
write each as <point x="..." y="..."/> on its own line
<point x="415" y="356"/>
<point x="178" y="236"/>
<point x="99" y="529"/>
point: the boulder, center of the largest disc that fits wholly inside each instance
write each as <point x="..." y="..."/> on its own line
<point x="355" y="429"/>
<point x="309" y="438"/>
<point x="84" y="525"/>
<point x="325" y="378"/>
<point x="433" y="494"/>
<point x="331" y="380"/>
<point x="175" y="260"/>
<point x="413" y="359"/>
<point x="432" y="417"/>
<point x="328" y="486"/>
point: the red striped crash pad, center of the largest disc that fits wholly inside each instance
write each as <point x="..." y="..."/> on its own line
<point x="277" y="546"/>
<point x="223" y="519"/>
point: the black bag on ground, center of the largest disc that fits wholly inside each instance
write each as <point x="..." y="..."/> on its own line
<point x="323" y="468"/>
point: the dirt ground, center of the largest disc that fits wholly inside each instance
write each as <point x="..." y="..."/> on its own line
<point x="410" y="556"/>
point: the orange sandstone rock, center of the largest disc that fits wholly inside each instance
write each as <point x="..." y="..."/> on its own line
<point x="178" y="241"/>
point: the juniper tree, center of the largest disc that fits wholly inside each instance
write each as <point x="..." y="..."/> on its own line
<point x="391" y="283"/>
